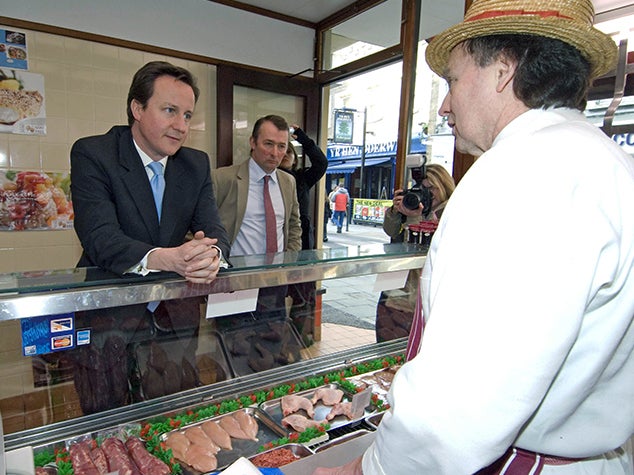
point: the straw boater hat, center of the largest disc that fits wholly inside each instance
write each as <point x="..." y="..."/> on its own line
<point x="566" y="20"/>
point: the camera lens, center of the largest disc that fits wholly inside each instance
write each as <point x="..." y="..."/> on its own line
<point x="411" y="201"/>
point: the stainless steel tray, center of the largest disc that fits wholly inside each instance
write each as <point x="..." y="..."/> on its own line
<point x="273" y="408"/>
<point x="374" y="420"/>
<point x="341" y="440"/>
<point x="268" y="431"/>
<point x="300" y="451"/>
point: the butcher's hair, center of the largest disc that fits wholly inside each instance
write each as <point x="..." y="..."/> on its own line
<point x="549" y="73"/>
<point x="142" y="87"/>
<point x="278" y="121"/>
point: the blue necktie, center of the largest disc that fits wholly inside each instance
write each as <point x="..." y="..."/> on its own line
<point x="158" y="186"/>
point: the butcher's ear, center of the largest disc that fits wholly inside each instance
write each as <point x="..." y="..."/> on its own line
<point x="505" y="72"/>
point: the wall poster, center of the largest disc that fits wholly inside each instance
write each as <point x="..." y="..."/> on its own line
<point x="13" y="51"/>
<point x="22" y="102"/>
<point x="31" y="200"/>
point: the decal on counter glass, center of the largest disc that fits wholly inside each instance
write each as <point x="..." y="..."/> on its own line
<point x="47" y="334"/>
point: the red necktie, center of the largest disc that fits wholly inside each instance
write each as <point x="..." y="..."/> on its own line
<point x="269" y="218"/>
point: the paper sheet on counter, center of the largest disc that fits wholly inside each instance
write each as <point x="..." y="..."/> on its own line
<point x="390" y="280"/>
<point x="229" y="303"/>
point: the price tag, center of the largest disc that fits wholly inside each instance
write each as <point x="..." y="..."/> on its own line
<point x="360" y="401"/>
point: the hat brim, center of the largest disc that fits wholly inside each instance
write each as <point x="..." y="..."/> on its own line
<point x="597" y="47"/>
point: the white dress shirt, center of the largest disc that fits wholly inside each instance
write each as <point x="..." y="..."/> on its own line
<point x="530" y="336"/>
<point x="251" y="239"/>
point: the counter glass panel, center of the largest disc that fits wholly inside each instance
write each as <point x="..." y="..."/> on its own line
<point x="324" y="312"/>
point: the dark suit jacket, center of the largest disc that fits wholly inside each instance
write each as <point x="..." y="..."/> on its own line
<point x="115" y="216"/>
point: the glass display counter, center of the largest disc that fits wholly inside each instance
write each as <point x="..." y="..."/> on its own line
<point x="43" y="323"/>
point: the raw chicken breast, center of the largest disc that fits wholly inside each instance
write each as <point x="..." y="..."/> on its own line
<point x="201" y="458"/>
<point x="293" y="403"/>
<point x="217" y="434"/>
<point x="328" y="396"/>
<point x="300" y="423"/>
<point x="248" y="424"/>
<point x="197" y="436"/>
<point x="232" y="427"/>
<point x="179" y="444"/>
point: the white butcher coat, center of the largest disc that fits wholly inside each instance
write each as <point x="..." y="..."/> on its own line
<point x="530" y="334"/>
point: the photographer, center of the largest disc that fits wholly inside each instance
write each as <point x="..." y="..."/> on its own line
<point x="439" y="183"/>
<point x="395" y="309"/>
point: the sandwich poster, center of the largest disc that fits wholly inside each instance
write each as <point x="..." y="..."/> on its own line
<point x="22" y="102"/>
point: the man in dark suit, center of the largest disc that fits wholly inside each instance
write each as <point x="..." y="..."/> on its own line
<point x="122" y="229"/>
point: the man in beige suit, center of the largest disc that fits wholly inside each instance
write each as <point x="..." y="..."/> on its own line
<point x="242" y="202"/>
<point x="239" y="192"/>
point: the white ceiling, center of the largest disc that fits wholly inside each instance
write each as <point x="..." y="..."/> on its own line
<point x="317" y="10"/>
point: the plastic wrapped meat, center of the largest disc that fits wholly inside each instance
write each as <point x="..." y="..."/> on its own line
<point x="147" y="463"/>
<point x="99" y="459"/>
<point x="118" y="458"/>
<point x="81" y="459"/>
<point x="217" y="434"/>
<point x="293" y="403"/>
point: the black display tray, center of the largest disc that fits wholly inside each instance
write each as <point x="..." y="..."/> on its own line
<point x="261" y="345"/>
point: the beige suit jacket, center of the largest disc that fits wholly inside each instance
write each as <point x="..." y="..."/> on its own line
<point x="231" y="187"/>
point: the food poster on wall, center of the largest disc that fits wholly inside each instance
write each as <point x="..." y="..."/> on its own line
<point x="13" y="52"/>
<point x="22" y="102"/>
<point x="31" y="200"/>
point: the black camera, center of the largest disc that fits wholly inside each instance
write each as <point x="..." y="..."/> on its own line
<point x="418" y="194"/>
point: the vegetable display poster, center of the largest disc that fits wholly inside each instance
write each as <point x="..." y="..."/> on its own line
<point x="32" y="200"/>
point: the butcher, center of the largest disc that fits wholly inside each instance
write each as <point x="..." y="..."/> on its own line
<point x="526" y="363"/>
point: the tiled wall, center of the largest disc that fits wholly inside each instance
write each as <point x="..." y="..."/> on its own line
<point x="86" y="86"/>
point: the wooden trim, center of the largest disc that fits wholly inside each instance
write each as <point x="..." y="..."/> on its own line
<point x="376" y="60"/>
<point x="229" y="76"/>
<point x="410" y="26"/>
<point x="267" y="13"/>
<point x="346" y="13"/>
<point x="109" y="40"/>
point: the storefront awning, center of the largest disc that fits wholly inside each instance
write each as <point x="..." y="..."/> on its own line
<point x="351" y="165"/>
